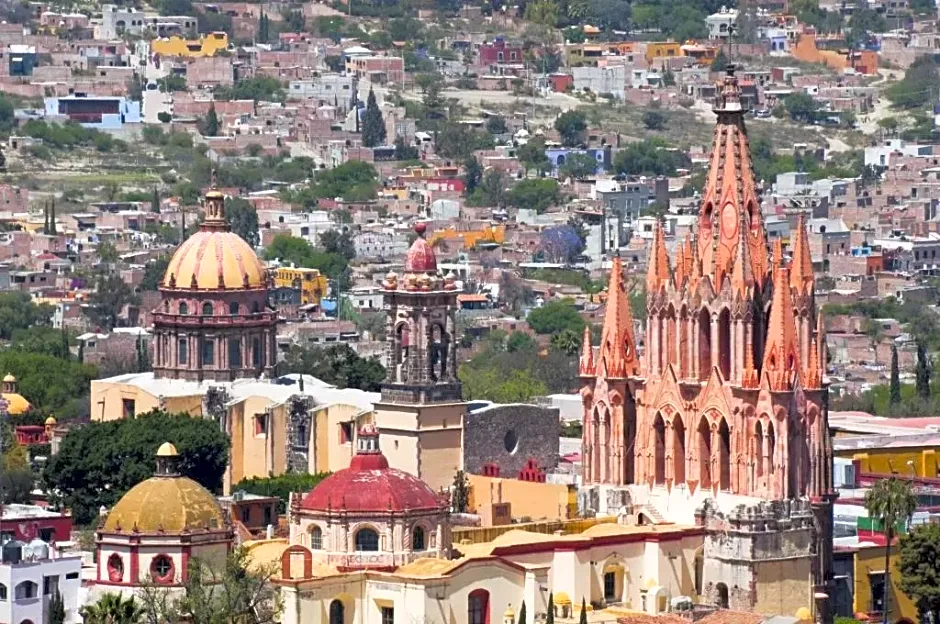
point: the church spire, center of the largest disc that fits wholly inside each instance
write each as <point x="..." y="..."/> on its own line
<point x="586" y="364"/>
<point x="782" y="350"/>
<point x="742" y="273"/>
<point x="801" y="274"/>
<point x="657" y="273"/>
<point x="730" y="187"/>
<point x="617" y="355"/>
<point x="817" y="357"/>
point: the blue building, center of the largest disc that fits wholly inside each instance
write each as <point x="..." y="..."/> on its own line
<point x="22" y="60"/>
<point x="102" y="112"/>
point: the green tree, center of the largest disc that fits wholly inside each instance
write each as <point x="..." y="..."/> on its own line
<point x="113" y="609"/>
<point x="258" y="88"/>
<point x="522" y="619"/>
<point x="49" y="383"/>
<point x="922" y="372"/>
<point x="583" y="617"/>
<point x="919" y="86"/>
<point x="651" y="157"/>
<point x="107" y="301"/>
<point x="919" y="567"/>
<point x="459" y="141"/>
<point x="520" y="341"/>
<point x="405" y="152"/>
<point x="496" y="124"/>
<point x="99" y="462"/>
<point x="567" y="341"/>
<point x="56" y="608"/>
<point x="373" y="126"/>
<point x="212" y="121"/>
<point x="16" y="486"/>
<point x="42" y="340"/>
<point x="532" y="155"/>
<point x="891" y="501"/>
<point x="536" y="194"/>
<point x="17" y="311"/>
<point x="895" y="377"/>
<point x="550" y="613"/>
<point x="280" y="486"/>
<point x="579" y="166"/>
<point x="654" y="120"/>
<point x="336" y="364"/>
<point x="543" y="12"/>
<point x="571" y="125"/>
<point x="155" y="201"/>
<point x="720" y="62"/>
<point x="555" y="316"/>
<point x="154" y="272"/>
<point x="493" y="188"/>
<point x="243" y="219"/>
<point x="338" y="242"/>
<point x="236" y="591"/>
<point x="461" y="493"/>
<point x="800" y="106"/>
<point x="472" y="174"/>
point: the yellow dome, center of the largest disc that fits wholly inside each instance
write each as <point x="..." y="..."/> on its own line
<point x="9" y="378"/>
<point x="215" y="259"/>
<point x="50" y="421"/>
<point x="167" y="450"/>
<point x="169" y="504"/>
<point x="16" y="404"/>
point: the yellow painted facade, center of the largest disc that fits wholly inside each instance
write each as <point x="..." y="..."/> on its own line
<point x="311" y="283"/>
<point x="908" y="462"/>
<point x="208" y="45"/>
<point x="536" y="501"/>
<point x="870" y="559"/>
<point x="657" y="51"/>
<point x="469" y="239"/>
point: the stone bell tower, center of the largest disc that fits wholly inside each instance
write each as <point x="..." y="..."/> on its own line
<point x="421" y="411"/>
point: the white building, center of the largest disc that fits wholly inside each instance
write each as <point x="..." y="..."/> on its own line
<point x="329" y="89"/>
<point x="721" y="24"/>
<point x="600" y="80"/>
<point x="30" y="574"/>
<point x="117" y="21"/>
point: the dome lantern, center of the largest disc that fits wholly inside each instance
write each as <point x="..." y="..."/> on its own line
<point x="214" y="208"/>
<point x="167" y="460"/>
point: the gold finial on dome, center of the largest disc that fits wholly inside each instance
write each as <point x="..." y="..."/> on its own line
<point x="215" y="207"/>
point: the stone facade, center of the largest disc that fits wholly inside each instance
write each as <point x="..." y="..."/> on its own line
<point x="509" y="437"/>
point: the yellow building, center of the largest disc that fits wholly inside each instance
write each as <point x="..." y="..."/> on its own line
<point x="15" y="403"/>
<point x="535" y="501"/>
<point x="470" y="238"/>
<point x="657" y="51"/>
<point x="860" y="570"/>
<point x="207" y="45"/>
<point x="311" y="284"/>
<point x="909" y="461"/>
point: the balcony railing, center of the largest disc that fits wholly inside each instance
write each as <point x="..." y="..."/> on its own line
<point x="227" y="320"/>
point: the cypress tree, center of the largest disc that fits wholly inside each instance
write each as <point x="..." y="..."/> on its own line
<point x="923" y="372"/>
<point x="895" y="398"/>
<point x="81" y="352"/>
<point x="550" y="616"/>
<point x="52" y="218"/>
<point x="56" y="609"/>
<point x="65" y="343"/>
<point x="373" y="126"/>
<point x="583" y="619"/>
<point x="212" y="122"/>
<point x="45" y="214"/>
<point x="522" y="613"/>
<point x="155" y="201"/>
<point x="3" y="161"/>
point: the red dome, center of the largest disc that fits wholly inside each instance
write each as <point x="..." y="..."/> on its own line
<point x="370" y="486"/>
<point x="420" y="258"/>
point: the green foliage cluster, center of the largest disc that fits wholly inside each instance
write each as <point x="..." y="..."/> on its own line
<point x="42" y="340"/>
<point x="459" y="141"/>
<point x="354" y="180"/>
<point x="336" y="364"/>
<point x="99" y="462"/>
<point x="289" y="249"/>
<point x="510" y="369"/>
<point x="809" y="12"/>
<point x="49" y="383"/>
<point x="555" y="316"/>
<point x="651" y="157"/>
<point x="567" y="277"/>
<point x="919" y="566"/>
<point x="70" y="135"/>
<point x="572" y="126"/>
<point x="258" y="88"/>
<point x="537" y="194"/>
<point x="580" y="166"/>
<point x="281" y="486"/>
<point x="919" y="86"/>
<point x="373" y="126"/>
<point x="242" y="218"/>
<point x="17" y="311"/>
<point x="768" y="163"/>
<point x="677" y="20"/>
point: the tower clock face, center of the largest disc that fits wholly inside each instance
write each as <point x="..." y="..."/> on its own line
<point x="729" y="221"/>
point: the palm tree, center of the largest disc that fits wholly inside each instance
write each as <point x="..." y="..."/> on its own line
<point x="890" y="501"/>
<point x="113" y="609"/>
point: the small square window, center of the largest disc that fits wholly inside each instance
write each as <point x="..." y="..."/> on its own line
<point x="261" y="424"/>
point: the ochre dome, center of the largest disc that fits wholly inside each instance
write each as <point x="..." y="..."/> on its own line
<point x="16" y="404"/>
<point x="171" y="504"/>
<point x="215" y="259"/>
<point x="167" y="450"/>
<point x="51" y="420"/>
<point x="9" y="378"/>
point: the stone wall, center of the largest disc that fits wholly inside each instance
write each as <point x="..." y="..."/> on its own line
<point x="509" y="436"/>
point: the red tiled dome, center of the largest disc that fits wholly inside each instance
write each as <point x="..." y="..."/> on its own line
<point x="370" y="486"/>
<point x="420" y="258"/>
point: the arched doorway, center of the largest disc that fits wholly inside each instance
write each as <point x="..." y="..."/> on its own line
<point x="724" y="343"/>
<point x="613" y="582"/>
<point x="724" y="455"/>
<point x="659" y="449"/>
<point x="678" y="450"/>
<point x="704" y="344"/>
<point x="722" y="590"/>
<point x="337" y="612"/>
<point x="478" y="607"/>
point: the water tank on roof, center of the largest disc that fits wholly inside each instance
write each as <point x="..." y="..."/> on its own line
<point x="12" y="552"/>
<point x="36" y="549"/>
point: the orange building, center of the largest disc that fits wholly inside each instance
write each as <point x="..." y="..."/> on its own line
<point x="808" y="50"/>
<point x="471" y="238"/>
